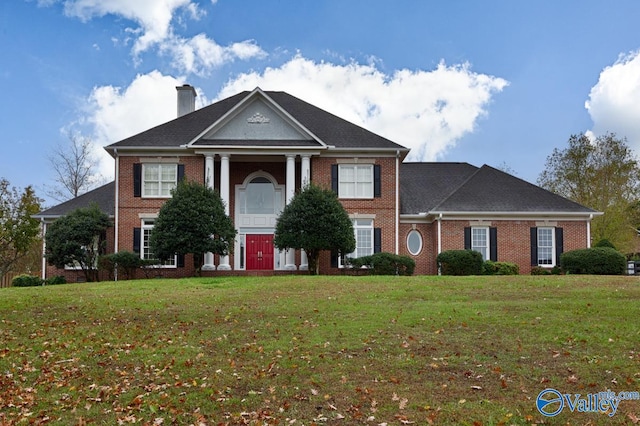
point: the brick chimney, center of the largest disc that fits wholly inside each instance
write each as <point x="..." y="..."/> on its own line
<point x="186" y="99"/>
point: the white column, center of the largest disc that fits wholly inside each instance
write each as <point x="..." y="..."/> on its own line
<point x="224" y="194"/>
<point x="305" y="179"/>
<point x="290" y="263"/>
<point x="209" y="264"/>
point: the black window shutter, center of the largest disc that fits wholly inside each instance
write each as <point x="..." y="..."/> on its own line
<point x="136" y="240"/>
<point x="377" y="240"/>
<point x="493" y="244"/>
<point x="334" y="260"/>
<point x="137" y="180"/>
<point x="180" y="261"/>
<point x="377" y="181"/>
<point x="180" y="172"/>
<point x="467" y="238"/>
<point x="559" y="244"/>
<point x="334" y="178"/>
<point x="534" y="246"/>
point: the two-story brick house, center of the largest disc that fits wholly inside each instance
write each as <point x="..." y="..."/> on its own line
<point x="258" y="148"/>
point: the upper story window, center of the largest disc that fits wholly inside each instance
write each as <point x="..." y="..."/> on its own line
<point x="355" y="181"/>
<point x="260" y="196"/>
<point x="158" y="179"/>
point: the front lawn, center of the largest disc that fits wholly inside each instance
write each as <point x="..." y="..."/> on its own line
<point x="301" y="350"/>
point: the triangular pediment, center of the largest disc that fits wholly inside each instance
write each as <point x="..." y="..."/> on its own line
<point x="256" y="119"/>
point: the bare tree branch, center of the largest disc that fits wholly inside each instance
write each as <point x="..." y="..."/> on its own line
<point x="75" y="168"/>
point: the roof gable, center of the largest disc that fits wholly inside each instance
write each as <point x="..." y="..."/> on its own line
<point x="316" y="127"/>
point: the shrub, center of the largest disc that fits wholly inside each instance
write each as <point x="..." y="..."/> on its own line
<point x="385" y="264"/>
<point x="539" y="270"/>
<point x="604" y="243"/>
<point x="597" y="260"/>
<point x="490" y="267"/>
<point x="55" y="280"/>
<point x="460" y="262"/>
<point x="127" y="263"/>
<point x="25" y="280"/>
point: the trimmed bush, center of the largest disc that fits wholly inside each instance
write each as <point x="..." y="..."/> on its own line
<point x="596" y="260"/>
<point x="55" y="280"/>
<point x="127" y="263"/>
<point x="460" y="262"/>
<point x="490" y="267"/>
<point x="539" y="270"/>
<point x="604" y="243"/>
<point x="25" y="280"/>
<point x="385" y="264"/>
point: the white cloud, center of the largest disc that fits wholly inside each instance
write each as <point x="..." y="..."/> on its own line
<point x="115" y="113"/>
<point x="198" y="54"/>
<point x="427" y="111"/>
<point x="613" y="102"/>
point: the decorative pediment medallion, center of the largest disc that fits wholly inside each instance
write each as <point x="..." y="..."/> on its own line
<point x="258" y="118"/>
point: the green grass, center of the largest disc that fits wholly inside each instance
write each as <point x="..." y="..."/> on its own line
<point x="317" y="350"/>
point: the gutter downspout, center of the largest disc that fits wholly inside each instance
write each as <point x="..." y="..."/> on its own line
<point x="43" y="275"/>
<point x="116" y="212"/>
<point x="397" y="201"/>
<point x="589" y="231"/>
<point x="439" y="236"/>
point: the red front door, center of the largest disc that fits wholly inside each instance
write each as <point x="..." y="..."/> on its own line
<point x="259" y="251"/>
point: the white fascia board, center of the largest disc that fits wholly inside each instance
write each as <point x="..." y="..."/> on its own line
<point x="255" y="150"/>
<point x="519" y="215"/>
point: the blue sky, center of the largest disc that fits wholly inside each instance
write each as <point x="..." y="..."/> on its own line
<point x="493" y="82"/>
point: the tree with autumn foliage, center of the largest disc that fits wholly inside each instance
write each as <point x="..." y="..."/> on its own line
<point x="19" y="231"/>
<point x="603" y="174"/>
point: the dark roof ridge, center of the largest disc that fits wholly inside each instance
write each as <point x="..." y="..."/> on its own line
<point x="435" y="208"/>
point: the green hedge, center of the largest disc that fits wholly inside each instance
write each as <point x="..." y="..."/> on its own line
<point x="596" y="260"/>
<point x="490" y="267"/>
<point x="385" y="264"/>
<point x="460" y="262"/>
<point x="25" y="280"/>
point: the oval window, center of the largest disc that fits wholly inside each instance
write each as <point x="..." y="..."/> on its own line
<point x="414" y="242"/>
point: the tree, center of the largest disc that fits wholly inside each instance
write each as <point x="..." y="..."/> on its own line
<point x="602" y="174"/>
<point x="74" y="167"/>
<point x="192" y="221"/>
<point x="78" y="239"/>
<point x="314" y="221"/>
<point x="19" y="232"/>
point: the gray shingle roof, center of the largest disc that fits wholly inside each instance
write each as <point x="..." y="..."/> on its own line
<point x="460" y="187"/>
<point x="103" y="196"/>
<point x="329" y="128"/>
<point x="424" y="185"/>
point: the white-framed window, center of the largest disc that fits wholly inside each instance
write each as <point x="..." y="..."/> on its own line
<point x="145" y="251"/>
<point x="355" y="181"/>
<point x="414" y="242"/>
<point x="546" y="246"/>
<point x="158" y="179"/>
<point x="480" y="241"/>
<point x="363" y="232"/>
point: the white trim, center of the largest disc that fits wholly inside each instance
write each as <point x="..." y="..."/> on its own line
<point x="553" y="246"/>
<point x="143" y="180"/>
<point x="487" y="247"/>
<point x="397" y="215"/>
<point x="421" y="240"/>
<point x="356" y="183"/>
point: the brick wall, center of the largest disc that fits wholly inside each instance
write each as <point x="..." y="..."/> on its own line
<point x="382" y="207"/>
<point x="514" y="244"/>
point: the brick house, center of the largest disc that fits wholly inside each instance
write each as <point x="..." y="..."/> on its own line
<point x="258" y="148"/>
